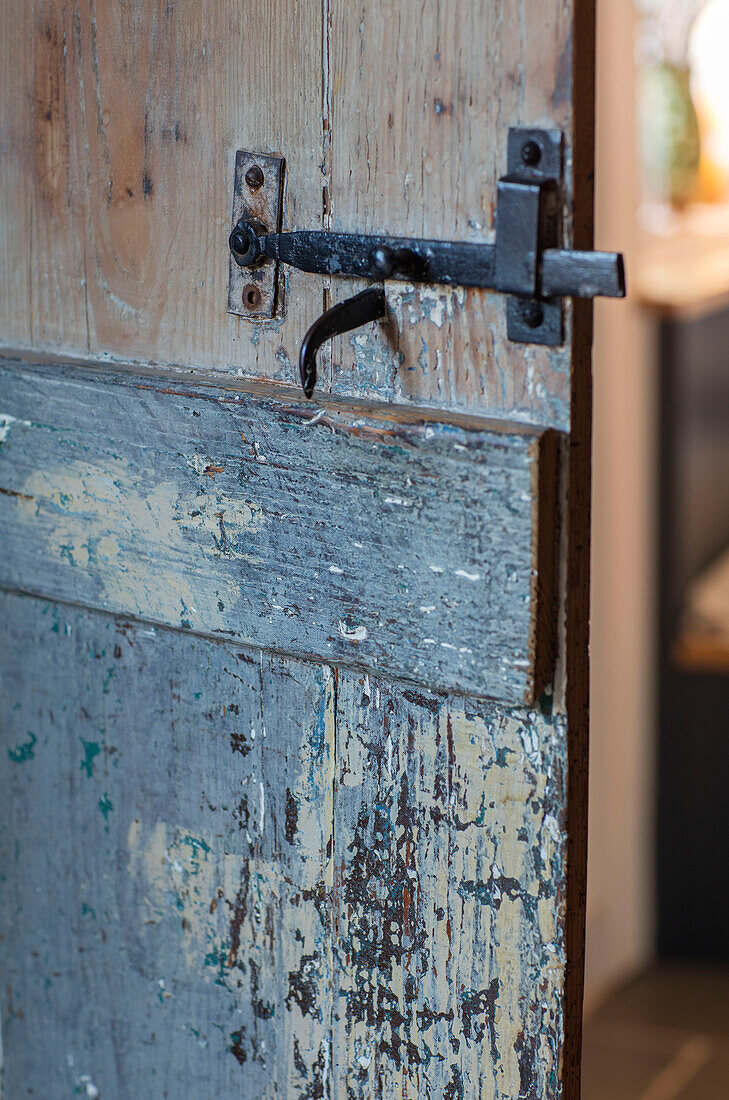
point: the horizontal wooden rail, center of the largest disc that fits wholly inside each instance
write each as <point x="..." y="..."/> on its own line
<point x="396" y="545"/>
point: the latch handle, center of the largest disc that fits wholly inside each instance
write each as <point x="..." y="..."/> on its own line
<point x="370" y="305"/>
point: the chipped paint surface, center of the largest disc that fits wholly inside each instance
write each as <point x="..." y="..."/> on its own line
<point x="6" y="423"/>
<point x="85" y="500"/>
<point x="287" y="875"/>
<point x="309" y="536"/>
<point x="448" y="881"/>
<point x="191" y="939"/>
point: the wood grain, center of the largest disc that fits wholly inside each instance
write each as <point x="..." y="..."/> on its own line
<point x="427" y="938"/>
<point x="422" y="97"/>
<point x="261" y="873"/>
<point x="170" y="802"/>
<point x="119" y="132"/>
<point x="119" y="128"/>
<point x="408" y="549"/>
<point x="448" y="888"/>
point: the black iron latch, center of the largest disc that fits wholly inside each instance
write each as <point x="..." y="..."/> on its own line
<point x="526" y="262"/>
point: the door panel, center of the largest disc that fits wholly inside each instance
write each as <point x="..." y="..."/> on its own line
<point x="251" y="850"/>
<point x="449" y="894"/>
<point x="403" y="547"/>
<point x="120" y="134"/>
<point x="119" y="129"/>
<point x="165" y="851"/>
<point x="296" y="851"/>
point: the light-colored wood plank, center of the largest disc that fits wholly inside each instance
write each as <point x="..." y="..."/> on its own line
<point x="422" y="96"/>
<point x="119" y="130"/>
<point x="120" y="135"/>
<point x="408" y="549"/>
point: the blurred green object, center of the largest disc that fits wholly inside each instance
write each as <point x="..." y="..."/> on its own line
<point x="670" y="142"/>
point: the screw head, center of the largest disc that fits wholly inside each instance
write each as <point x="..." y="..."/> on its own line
<point x="238" y="242"/>
<point x="531" y="154"/>
<point x="251" y="297"/>
<point x="532" y="313"/>
<point x="254" y="177"/>
<point x="382" y="262"/>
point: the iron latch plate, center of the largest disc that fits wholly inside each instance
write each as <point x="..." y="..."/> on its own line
<point x="258" y="191"/>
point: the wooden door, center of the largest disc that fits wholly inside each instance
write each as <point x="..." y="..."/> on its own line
<point x="293" y="781"/>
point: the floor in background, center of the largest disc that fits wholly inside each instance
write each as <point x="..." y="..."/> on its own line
<point x="663" y="1037"/>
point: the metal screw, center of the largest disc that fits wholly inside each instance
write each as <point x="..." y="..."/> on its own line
<point x="532" y="313"/>
<point x="382" y="262"/>
<point x="251" y="297"/>
<point x="531" y="154"/>
<point x="254" y="177"/>
<point x="238" y="242"/>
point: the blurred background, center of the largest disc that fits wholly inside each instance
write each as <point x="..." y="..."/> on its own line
<point x="657" y="993"/>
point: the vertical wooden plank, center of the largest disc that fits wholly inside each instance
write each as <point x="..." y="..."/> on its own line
<point x="119" y="129"/>
<point x="424" y="158"/>
<point x="449" y="897"/>
<point x="423" y="95"/>
<point x="166" y="851"/>
<point x="41" y="237"/>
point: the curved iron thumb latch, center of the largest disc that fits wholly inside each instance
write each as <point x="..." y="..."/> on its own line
<point x="370" y="305"/>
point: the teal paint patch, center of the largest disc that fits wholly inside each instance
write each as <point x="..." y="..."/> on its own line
<point x="219" y="960"/>
<point x="24" y="752"/>
<point x="106" y="806"/>
<point x="199" y="850"/>
<point x="502" y="757"/>
<point x="91" y="751"/>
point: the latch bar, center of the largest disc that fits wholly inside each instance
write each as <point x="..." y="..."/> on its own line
<point x="446" y="263"/>
<point x="582" y="274"/>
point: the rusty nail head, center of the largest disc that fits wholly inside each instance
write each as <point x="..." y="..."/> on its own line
<point x="251" y="296"/>
<point x="254" y="177"/>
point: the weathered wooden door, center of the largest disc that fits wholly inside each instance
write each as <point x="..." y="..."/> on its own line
<point x="292" y="776"/>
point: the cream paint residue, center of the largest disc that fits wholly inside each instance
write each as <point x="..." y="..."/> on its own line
<point x="496" y="804"/>
<point x="434" y="304"/>
<point x="6" y="423"/>
<point x="353" y="634"/>
<point x="106" y="522"/>
<point x="184" y="879"/>
<point x="189" y="881"/>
